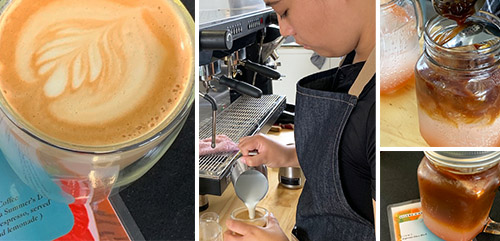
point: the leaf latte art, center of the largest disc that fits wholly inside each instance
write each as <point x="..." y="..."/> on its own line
<point x="94" y="72"/>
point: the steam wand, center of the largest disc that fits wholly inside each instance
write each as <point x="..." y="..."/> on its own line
<point x="212" y="102"/>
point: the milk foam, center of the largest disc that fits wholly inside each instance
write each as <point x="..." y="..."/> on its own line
<point x="108" y="71"/>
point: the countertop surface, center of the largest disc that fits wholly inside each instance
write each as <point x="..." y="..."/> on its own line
<point x="398" y="183"/>
<point x="282" y="202"/>
<point x="399" y="119"/>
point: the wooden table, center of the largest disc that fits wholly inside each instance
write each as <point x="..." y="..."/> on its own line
<point x="399" y="119"/>
<point x="282" y="202"/>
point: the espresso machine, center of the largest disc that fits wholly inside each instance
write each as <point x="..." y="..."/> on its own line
<point x="238" y="39"/>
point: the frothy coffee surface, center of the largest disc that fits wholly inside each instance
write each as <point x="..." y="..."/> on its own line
<point x="94" y="72"/>
<point x="246" y="216"/>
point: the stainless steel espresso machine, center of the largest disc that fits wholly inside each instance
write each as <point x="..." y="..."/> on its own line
<point x="238" y="39"/>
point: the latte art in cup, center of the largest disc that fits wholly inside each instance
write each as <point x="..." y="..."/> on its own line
<point x="94" y="72"/>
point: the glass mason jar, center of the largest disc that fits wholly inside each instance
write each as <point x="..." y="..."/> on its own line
<point x="401" y="26"/>
<point x="458" y="82"/>
<point x="457" y="190"/>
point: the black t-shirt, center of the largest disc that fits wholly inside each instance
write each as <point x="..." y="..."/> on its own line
<point x="357" y="146"/>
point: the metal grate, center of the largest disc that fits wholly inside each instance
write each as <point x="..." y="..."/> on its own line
<point x="244" y="117"/>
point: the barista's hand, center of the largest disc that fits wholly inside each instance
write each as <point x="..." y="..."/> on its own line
<point x="272" y="232"/>
<point x="270" y="152"/>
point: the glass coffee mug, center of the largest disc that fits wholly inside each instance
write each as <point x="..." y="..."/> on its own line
<point x="73" y="173"/>
<point x="401" y="26"/>
<point x="457" y="189"/>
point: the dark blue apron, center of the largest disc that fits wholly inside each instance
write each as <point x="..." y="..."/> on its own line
<point x="323" y="212"/>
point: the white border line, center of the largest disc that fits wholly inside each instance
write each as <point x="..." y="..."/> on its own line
<point x="197" y="123"/>
<point x="377" y="124"/>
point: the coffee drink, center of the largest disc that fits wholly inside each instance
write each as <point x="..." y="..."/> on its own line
<point x="242" y="215"/>
<point x="94" y="72"/>
<point x="246" y="215"/>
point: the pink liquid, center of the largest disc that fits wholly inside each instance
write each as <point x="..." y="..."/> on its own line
<point x="446" y="232"/>
<point x="444" y="133"/>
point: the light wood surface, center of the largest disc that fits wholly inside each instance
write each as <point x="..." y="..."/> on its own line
<point x="280" y="201"/>
<point x="399" y="119"/>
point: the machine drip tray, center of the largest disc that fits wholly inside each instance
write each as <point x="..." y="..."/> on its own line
<point x="245" y="117"/>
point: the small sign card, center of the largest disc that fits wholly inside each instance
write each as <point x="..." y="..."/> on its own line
<point x="407" y="224"/>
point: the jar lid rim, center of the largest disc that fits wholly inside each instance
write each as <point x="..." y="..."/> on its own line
<point x="460" y="159"/>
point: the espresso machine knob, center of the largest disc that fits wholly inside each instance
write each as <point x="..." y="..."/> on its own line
<point x="216" y="40"/>
<point x="273" y="18"/>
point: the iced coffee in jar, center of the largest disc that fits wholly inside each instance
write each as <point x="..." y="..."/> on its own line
<point x="457" y="190"/>
<point x="458" y="82"/>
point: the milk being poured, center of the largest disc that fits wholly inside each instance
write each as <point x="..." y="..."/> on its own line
<point x="251" y="187"/>
<point x="251" y="209"/>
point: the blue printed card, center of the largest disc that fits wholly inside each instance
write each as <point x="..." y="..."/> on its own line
<point x="26" y="215"/>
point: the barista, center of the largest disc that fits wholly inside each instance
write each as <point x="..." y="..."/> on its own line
<point x="335" y="125"/>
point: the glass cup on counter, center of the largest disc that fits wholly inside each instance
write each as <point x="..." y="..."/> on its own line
<point x="210" y="216"/>
<point x="210" y="229"/>
<point x="457" y="190"/>
<point x="241" y="214"/>
<point x="77" y="155"/>
<point x="401" y="26"/>
<point x="458" y="82"/>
